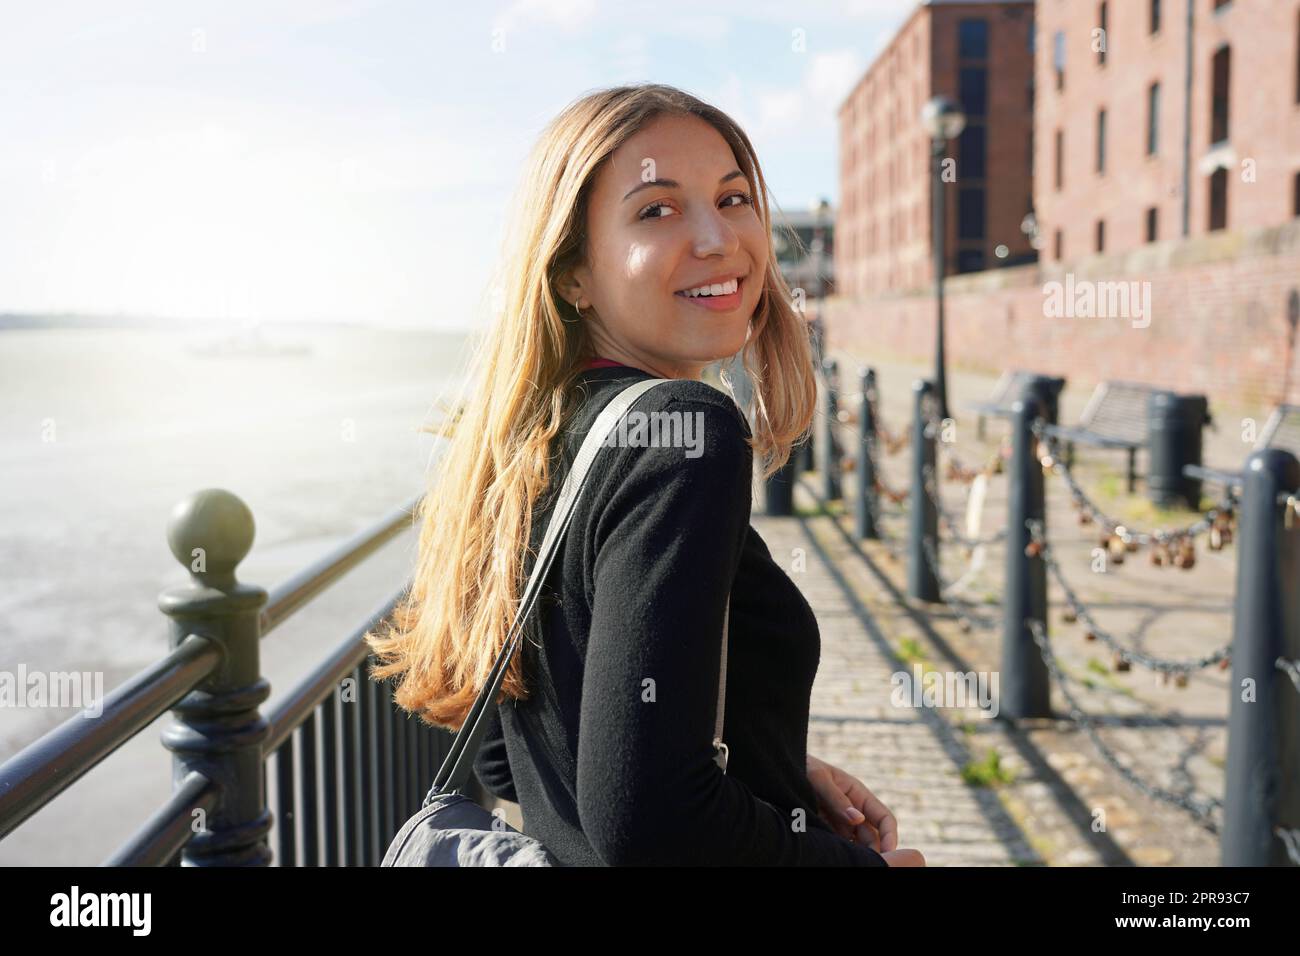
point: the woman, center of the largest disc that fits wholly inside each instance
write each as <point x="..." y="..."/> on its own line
<point x="641" y="249"/>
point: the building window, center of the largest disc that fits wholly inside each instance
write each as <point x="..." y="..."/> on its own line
<point x="1101" y="235"/>
<point x="1153" y="119"/>
<point x="1219" y="200"/>
<point x="970" y="213"/>
<point x="970" y="260"/>
<point x="1058" y="58"/>
<point x="973" y="39"/>
<point x="1059" y="159"/>
<point x="1101" y="24"/>
<point x="1153" y="224"/>
<point x="1221" y="78"/>
<point x="1057" y="244"/>
<point x="1295" y="196"/>
<point x="1155" y="16"/>
<point x="1219" y="4"/>
<point x="971" y="153"/>
<point x="972" y="90"/>
<point x="1101" y="142"/>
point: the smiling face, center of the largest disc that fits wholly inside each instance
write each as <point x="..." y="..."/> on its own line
<point x="676" y="252"/>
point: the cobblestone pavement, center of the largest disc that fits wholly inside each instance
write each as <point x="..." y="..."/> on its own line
<point x="1063" y="804"/>
<point x="911" y="758"/>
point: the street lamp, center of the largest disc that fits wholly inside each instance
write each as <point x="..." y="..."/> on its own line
<point x="821" y="215"/>
<point x="943" y="120"/>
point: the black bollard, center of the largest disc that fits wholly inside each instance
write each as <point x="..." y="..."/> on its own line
<point x="1174" y="427"/>
<point x="1262" y="786"/>
<point x="778" y="490"/>
<point x="923" y="515"/>
<point x="867" y="500"/>
<point x="1047" y="388"/>
<point x="805" y="459"/>
<point x="830" y="465"/>
<point x="1025" y="690"/>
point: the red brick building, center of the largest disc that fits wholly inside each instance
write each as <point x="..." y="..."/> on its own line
<point x="981" y="55"/>
<point x="1138" y="142"/>
<point x="1169" y="157"/>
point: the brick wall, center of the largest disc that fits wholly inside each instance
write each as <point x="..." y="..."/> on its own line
<point x="1263" y="109"/>
<point x="1218" y="321"/>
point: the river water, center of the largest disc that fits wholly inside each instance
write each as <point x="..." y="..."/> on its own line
<point x="103" y="432"/>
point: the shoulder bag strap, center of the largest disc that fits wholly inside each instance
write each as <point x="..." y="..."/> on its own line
<point x="454" y="773"/>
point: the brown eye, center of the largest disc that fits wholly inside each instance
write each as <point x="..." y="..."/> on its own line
<point x="745" y="199"/>
<point x="647" y="212"/>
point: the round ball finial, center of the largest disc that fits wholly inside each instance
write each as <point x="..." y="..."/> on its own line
<point x="210" y="532"/>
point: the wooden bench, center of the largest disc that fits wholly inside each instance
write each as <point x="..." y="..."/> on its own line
<point x="1115" y="417"/>
<point x="1008" y="388"/>
<point x="1281" y="430"/>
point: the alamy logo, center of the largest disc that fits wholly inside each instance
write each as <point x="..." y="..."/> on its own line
<point x="659" y="430"/>
<point x="946" y="689"/>
<point x="24" y="689"/>
<point x="102" y="909"/>
<point x="1098" y="300"/>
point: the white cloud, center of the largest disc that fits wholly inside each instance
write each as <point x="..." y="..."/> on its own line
<point x="567" y="14"/>
<point x="823" y="85"/>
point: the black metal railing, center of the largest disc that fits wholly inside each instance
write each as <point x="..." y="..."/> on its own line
<point x="349" y="765"/>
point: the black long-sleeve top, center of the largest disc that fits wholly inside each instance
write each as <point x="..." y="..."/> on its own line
<point x="611" y="759"/>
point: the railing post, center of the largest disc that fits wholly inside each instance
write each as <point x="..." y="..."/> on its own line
<point x="1262" y="785"/>
<point x="923" y="515"/>
<point x="805" y="454"/>
<point x="1026" y="689"/>
<point x="778" y="489"/>
<point x="217" y="728"/>
<point x="867" y="500"/>
<point x="1047" y="388"/>
<point x="830" y="466"/>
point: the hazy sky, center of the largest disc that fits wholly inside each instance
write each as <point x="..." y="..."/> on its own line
<point x="354" y="159"/>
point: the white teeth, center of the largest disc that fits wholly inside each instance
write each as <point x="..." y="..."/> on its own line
<point x="717" y="288"/>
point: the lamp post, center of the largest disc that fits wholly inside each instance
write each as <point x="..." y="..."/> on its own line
<point x="821" y="213"/>
<point x="943" y="121"/>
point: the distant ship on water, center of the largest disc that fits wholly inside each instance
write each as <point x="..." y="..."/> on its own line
<point x="249" y="342"/>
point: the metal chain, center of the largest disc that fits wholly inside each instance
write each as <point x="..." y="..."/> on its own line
<point x="1202" y="810"/>
<point x="873" y="501"/>
<point x="1291" y="669"/>
<point x="890" y="442"/>
<point x="1083" y="614"/>
<point x="960" y="473"/>
<point x="969" y="621"/>
<point x="949" y="522"/>
<point x="1291" y="840"/>
<point x="1117" y="528"/>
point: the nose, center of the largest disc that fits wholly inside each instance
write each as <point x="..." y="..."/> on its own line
<point x="712" y="235"/>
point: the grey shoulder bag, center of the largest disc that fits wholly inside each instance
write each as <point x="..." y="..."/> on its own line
<point x="450" y="829"/>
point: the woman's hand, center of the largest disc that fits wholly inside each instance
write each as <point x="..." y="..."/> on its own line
<point x="856" y="814"/>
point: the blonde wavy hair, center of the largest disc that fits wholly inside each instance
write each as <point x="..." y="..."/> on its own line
<point x="475" y="522"/>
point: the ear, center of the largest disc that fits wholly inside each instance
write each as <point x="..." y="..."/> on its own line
<point x="568" y="288"/>
<point x="571" y="288"/>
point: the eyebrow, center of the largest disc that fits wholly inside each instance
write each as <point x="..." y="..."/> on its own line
<point x="674" y="184"/>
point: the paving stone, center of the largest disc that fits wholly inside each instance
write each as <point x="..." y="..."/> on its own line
<point x="913" y="758"/>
